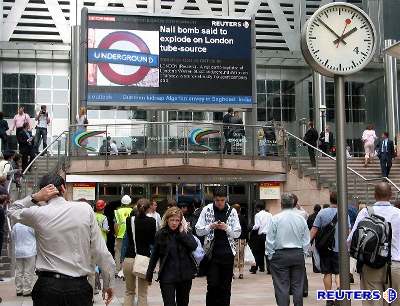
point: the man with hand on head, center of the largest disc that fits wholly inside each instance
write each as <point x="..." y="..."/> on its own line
<point x="68" y="237"/>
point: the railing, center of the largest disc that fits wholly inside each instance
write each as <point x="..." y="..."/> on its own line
<point x="60" y="158"/>
<point x="298" y="150"/>
<point x="182" y="139"/>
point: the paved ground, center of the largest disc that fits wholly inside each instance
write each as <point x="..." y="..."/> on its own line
<point x="254" y="290"/>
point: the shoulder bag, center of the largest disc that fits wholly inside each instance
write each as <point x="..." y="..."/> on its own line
<point x="141" y="262"/>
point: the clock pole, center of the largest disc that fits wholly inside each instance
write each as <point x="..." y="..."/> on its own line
<point x="341" y="166"/>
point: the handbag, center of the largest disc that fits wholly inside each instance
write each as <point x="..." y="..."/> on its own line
<point x="141" y="262"/>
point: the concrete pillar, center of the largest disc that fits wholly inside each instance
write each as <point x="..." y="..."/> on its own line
<point x="75" y="76"/>
<point x="391" y="91"/>
<point x="319" y="101"/>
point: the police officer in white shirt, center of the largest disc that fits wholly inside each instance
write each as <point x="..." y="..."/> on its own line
<point x="262" y="223"/>
<point x="67" y="237"/>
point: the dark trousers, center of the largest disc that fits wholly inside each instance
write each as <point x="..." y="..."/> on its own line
<point x="41" y="133"/>
<point x="4" y="142"/>
<point x="287" y="269"/>
<point x="62" y="292"/>
<point x="219" y="282"/>
<point x="311" y="153"/>
<point x="27" y="157"/>
<point x="176" y="294"/>
<point x="227" y="146"/>
<point x="259" y="254"/>
<point x="386" y="164"/>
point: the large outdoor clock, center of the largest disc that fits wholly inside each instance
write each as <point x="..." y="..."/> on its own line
<point x="338" y="39"/>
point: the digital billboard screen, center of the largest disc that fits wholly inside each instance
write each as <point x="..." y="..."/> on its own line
<point x="150" y="61"/>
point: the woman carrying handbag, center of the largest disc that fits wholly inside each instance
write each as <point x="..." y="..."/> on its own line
<point x="141" y="231"/>
<point x="174" y="247"/>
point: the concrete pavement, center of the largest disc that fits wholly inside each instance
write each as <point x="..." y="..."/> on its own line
<point x="254" y="290"/>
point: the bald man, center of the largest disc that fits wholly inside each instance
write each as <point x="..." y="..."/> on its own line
<point x="375" y="279"/>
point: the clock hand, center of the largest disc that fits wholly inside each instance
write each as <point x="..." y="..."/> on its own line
<point x="345" y="35"/>
<point x="330" y="30"/>
<point x="347" y="22"/>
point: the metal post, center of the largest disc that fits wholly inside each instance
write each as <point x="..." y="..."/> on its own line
<point x="341" y="166"/>
<point x="319" y="100"/>
<point x="391" y="91"/>
<point x="83" y="59"/>
<point x="75" y="73"/>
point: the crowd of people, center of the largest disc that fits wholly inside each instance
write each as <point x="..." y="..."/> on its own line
<point x="382" y="148"/>
<point x="67" y="244"/>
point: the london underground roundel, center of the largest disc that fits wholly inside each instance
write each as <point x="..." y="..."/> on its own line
<point x="109" y="72"/>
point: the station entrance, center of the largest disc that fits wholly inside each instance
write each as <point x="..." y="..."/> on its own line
<point x="238" y="193"/>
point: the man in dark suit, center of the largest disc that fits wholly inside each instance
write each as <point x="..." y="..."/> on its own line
<point x="236" y="133"/>
<point x="386" y="153"/>
<point x="226" y="120"/>
<point x="26" y="148"/>
<point x="327" y="140"/>
<point x="311" y="137"/>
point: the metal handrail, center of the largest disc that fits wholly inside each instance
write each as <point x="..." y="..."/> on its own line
<point x="43" y="151"/>
<point x="348" y="168"/>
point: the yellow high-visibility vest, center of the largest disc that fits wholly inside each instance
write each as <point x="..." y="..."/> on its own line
<point x="120" y="218"/>
<point x="100" y="220"/>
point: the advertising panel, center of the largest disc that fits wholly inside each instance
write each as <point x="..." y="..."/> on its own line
<point x="168" y="61"/>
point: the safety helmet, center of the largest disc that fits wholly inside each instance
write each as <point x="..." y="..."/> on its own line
<point x="126" y="200"/>
<point x="100" y="205"/>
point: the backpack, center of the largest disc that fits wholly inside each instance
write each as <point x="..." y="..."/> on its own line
<point x="371" y="242"/>
<point x="325" y="239"/>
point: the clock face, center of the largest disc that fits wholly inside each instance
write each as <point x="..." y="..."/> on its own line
<point x="339" y="39"/>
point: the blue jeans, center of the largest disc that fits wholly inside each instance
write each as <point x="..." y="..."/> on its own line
<point x="262" y="147"/>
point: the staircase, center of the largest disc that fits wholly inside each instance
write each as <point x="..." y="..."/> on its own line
<point x="42" y="166"/>
<point x="325" y="174"/>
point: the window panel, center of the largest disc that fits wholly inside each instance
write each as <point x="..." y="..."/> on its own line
<point x="288" y="101"/>
<point x="329" y="88"/>
<point x="172" y="116"/>
<point x="288" y="87"/>
<point x="139" y="114"/>
<point x="261" y="86"/>
<point x="43" y="96"/>
<point x="273" y="86"/>
<point x="60" y="111"/>
<point x="10" y="95"/>
<point x="10" y="110"/>
<point x="60" y="82"/>
<point x="10" y="80"/>
<point x="217" y="116"/>
<point x="29" y="109"/>
<point x="60" y="97"/>
<point x="27" y="96"/>
<point x="276" y="115"/>
<point x="43" y="81"/>
<point x="261" y="100"/>
<point x="198" y="116"/>
<point x="261" y="114"/>
<point x="357" y="89"/>
<point x="27" y="81"/>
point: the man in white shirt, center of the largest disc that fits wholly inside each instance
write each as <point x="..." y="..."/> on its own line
<point x="297" y="207"/>
<point x="375" y="279"/>
<point x="154" y="214"/>
<point x="114" y="148"/>
<point x="262" y="223"/>
<point x="68" y="238"/>
<point x="25" y="258"/>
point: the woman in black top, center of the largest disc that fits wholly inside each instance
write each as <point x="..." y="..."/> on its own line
<point x="145" y="231"/>
<point x="174" y="247"/>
